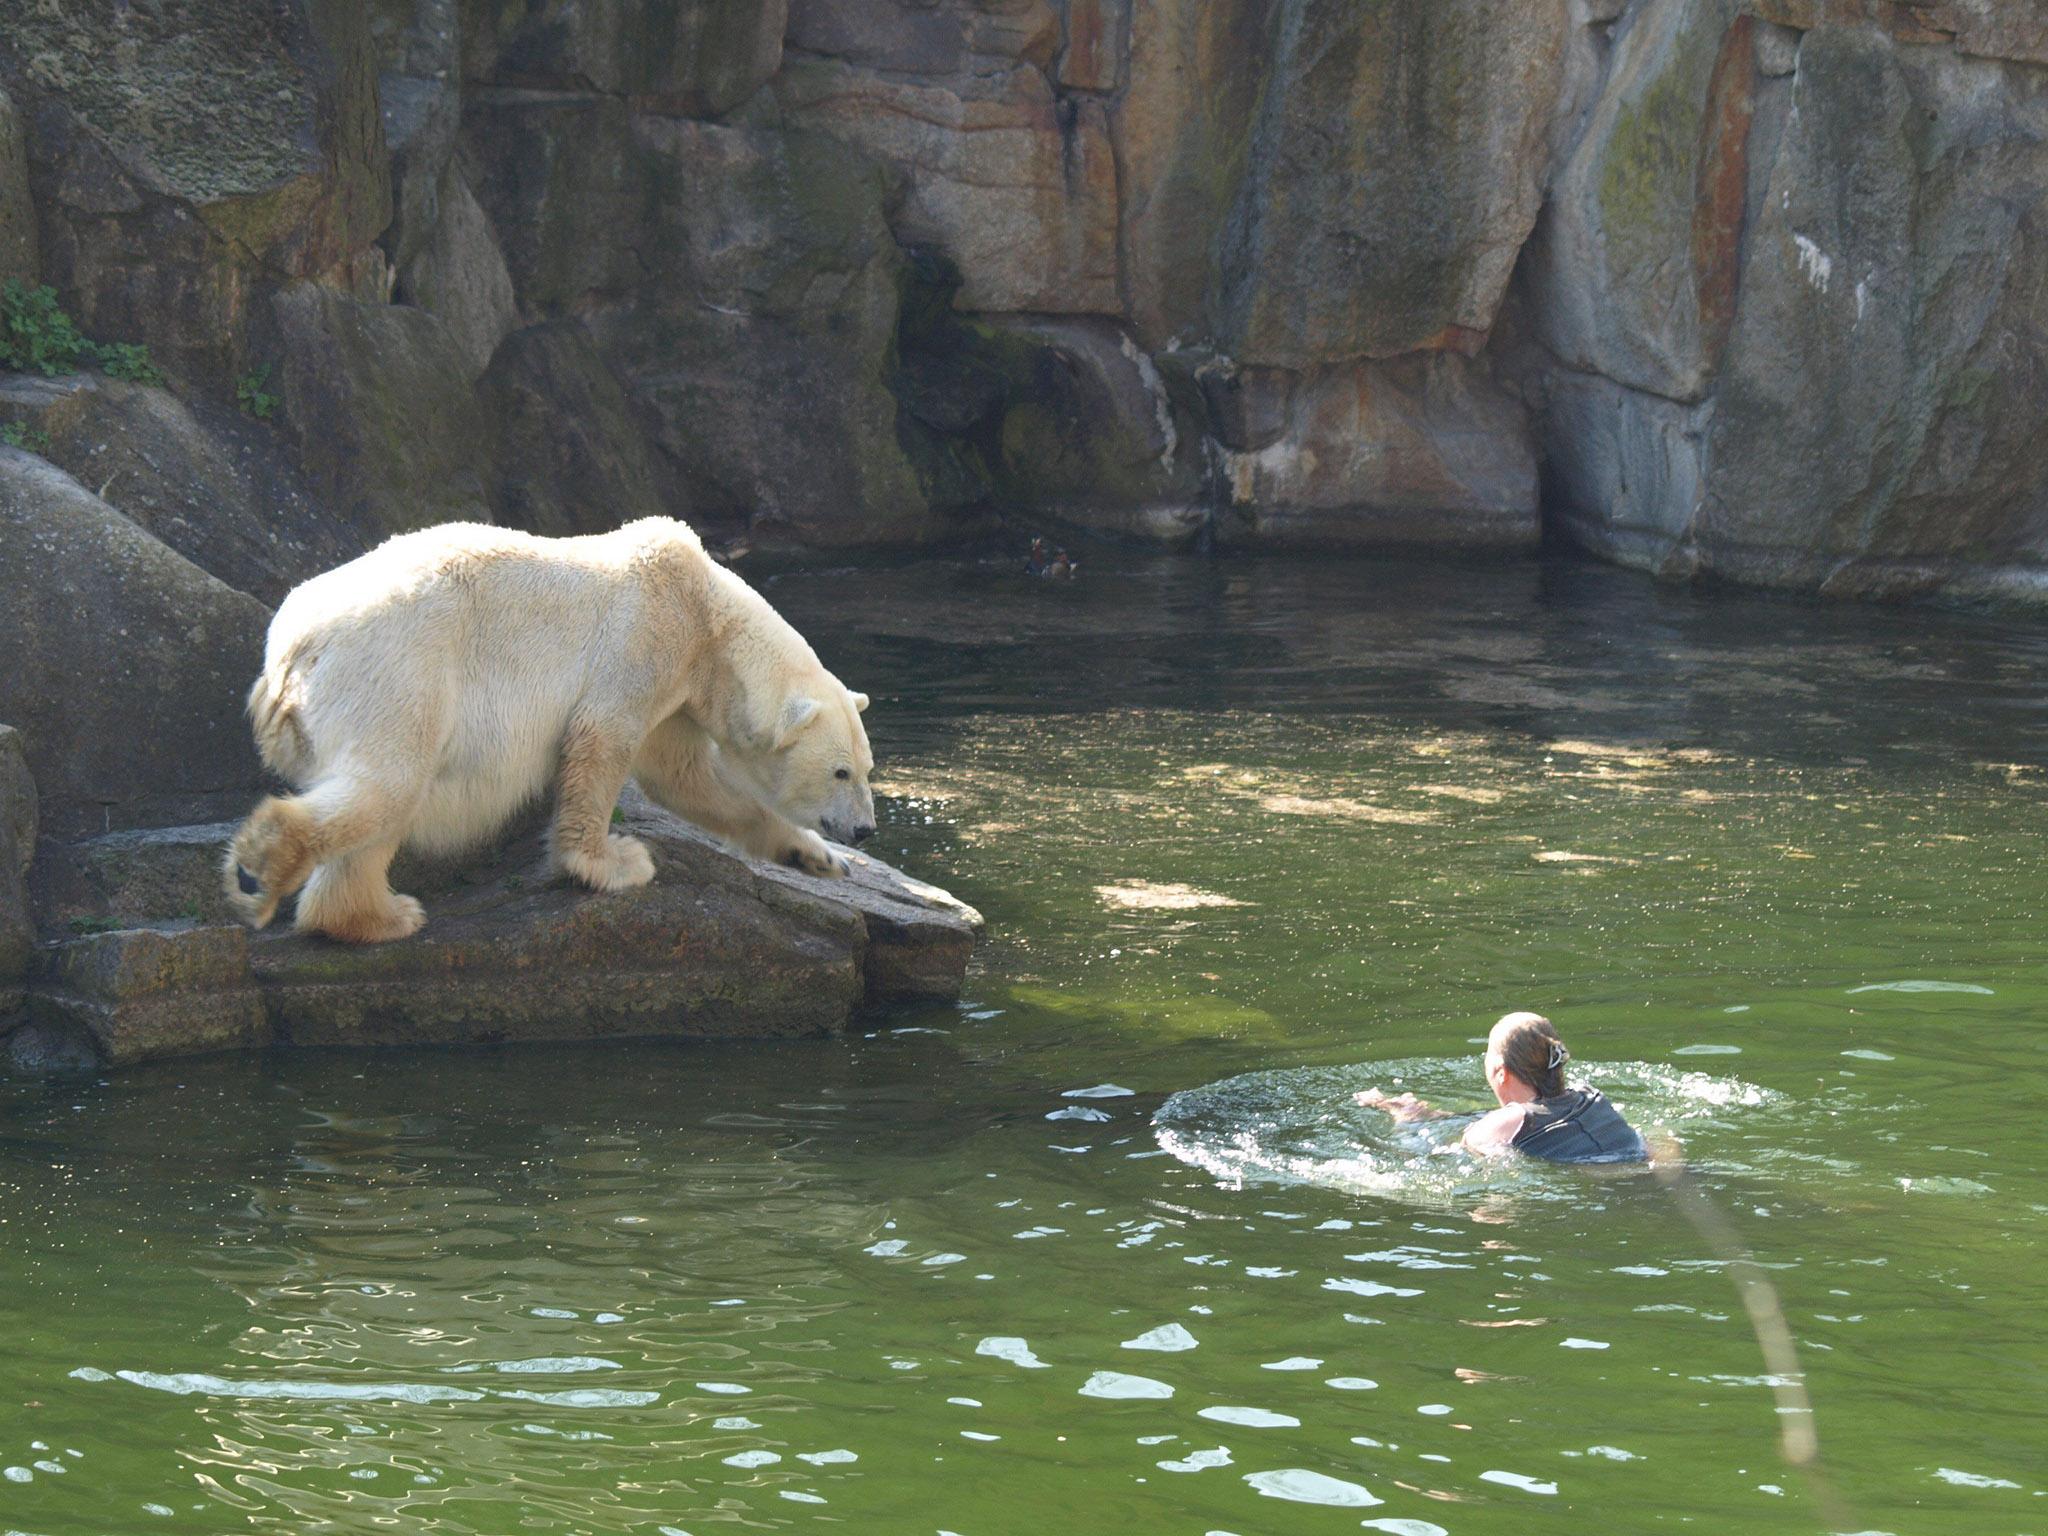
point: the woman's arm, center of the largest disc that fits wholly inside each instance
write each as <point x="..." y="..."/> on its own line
<point x="1405" y="1108"/>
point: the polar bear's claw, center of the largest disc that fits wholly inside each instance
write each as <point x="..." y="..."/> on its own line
<point x="811" y="854"/>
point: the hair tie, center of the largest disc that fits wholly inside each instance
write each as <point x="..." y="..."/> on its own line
<point x="1558" y="1055"/>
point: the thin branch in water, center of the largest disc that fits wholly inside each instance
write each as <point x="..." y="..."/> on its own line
<point x="1798" y="1435"/>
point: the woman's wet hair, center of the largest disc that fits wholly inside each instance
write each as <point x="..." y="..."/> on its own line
<point x="1530" y="1048"/>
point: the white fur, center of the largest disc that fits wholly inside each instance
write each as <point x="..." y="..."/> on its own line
<point x="423" y="693"/>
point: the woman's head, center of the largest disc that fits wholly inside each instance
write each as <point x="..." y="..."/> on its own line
<point x="1526" y="1047"/>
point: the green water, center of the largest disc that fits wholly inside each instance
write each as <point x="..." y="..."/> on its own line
<point x="1224" y="818"/>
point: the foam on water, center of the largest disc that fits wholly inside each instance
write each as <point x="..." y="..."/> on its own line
<point x="1299" y="1125"/>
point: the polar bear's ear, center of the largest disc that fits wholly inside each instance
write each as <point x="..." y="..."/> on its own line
<point x="796" y="714"/>
<point x="860" y="702"/>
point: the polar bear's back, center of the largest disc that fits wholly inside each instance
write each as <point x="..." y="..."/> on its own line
<point x="452" y="657"/>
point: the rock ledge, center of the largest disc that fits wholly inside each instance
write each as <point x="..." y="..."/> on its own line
<point x="718" y="947"/>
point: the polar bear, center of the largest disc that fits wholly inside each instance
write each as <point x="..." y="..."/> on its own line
<point x="421" y="694"/>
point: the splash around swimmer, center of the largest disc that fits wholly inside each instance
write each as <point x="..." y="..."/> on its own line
<point x="1539" y="1116"/>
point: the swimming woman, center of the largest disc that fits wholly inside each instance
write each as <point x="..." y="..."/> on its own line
<point x="1538" y="1114"/>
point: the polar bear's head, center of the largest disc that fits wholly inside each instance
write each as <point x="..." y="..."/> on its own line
<point x="817" y="770"/>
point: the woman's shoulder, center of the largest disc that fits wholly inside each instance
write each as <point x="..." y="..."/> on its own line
<point x="1494" y="1132"/>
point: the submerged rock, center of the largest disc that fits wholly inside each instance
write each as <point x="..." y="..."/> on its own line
<point x="719" y="946"/>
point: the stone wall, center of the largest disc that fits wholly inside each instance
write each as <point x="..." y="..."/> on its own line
<point x="1786" y="299"/>
<point x="1750" y="287"/>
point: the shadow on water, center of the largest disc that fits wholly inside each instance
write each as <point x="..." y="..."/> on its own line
<point x="1549" y="648"/>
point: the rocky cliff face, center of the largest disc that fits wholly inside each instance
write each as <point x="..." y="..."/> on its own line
<point x="1740" y="286"/>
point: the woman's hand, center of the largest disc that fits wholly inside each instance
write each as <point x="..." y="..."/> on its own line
<point x="1404" y="1107"/>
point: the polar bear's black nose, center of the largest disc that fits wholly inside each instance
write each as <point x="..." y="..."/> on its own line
<point x="863" y="832"/>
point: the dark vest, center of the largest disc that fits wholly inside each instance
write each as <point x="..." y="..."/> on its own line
<point x="1579" y="1126"/>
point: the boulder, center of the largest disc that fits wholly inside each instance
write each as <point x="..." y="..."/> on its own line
<point x="376" y="403"/>
<point x="698" y="58"/>
<point x="1634" y="269"/>
<point x="1424" y="450"/>
<point x="419" y="95"/>
<point x="1389" y="179"/>
<point x="137" y="994"/>
<point x="458" y="274"/>
<point x="718" y="946"/>
<point x="136" y="878"/>
<point x="183" y="156"/>
<point x="1866" y="428"/>
<point x="760" y="346"/>
<point x="126" y="663"/>
<point x="569" y="191"/>
<point x="1090" y="432"/>
<point x="1018" y="186"/>
<point x="1625" y="472"/>
<point x="19" y="255"/>
<point x="17" y="847"/>
<point x="1873" y="428"/>
<point x="569" y="455"/>
<point x="1197" y="73"/>
<point x="1305" y="183"/>
<point x="2003" y="29"/>
<point x="929" y="37"/>
<point x="1094" y="38"/>
<point x="2015" y="30"/>
<point x="781" y="424"/>
<point x="741" y="283"/>
<point x="210" y="482"/>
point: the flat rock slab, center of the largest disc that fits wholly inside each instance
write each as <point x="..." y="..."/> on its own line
<point x="717" y="947"/>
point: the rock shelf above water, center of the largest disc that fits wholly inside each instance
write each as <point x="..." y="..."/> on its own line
<point x="718" y="947"/>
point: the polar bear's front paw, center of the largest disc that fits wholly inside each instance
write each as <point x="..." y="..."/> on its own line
<point x="814" y="856"/>
<point x="624" y="864"/>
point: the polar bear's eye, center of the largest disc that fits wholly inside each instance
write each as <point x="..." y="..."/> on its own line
<point x="844" y="773"/>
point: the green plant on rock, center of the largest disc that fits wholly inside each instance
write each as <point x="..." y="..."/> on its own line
<point x="18" y="434"/>
<point x="129" y="360"/>
<point x="37" y="336"/>
<point x="250" y="392"/>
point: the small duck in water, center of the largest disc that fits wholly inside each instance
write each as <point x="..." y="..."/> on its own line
<point x="1049" y="563"/>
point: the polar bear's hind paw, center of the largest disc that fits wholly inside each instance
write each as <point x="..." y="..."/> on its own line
<point x="269" y="858"/>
